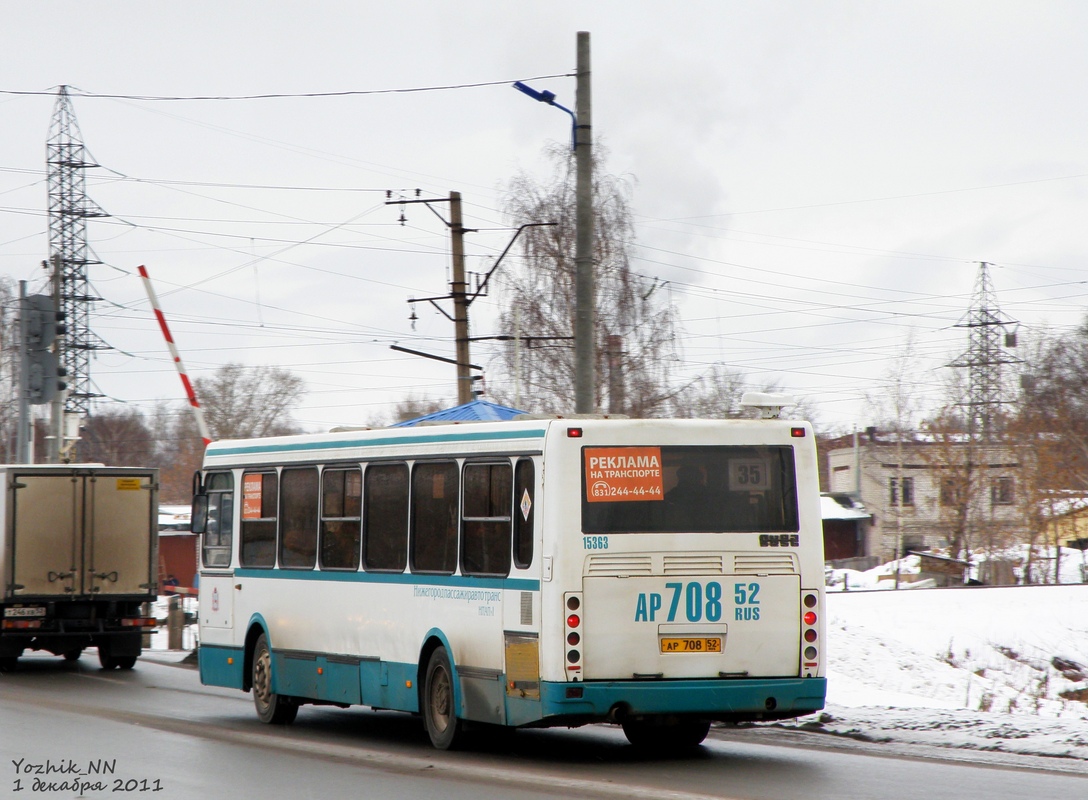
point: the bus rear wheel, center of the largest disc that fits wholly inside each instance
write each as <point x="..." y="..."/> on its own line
<point x="272" y="708"/>
<point x="665" y="734"/>
<point x="439" y="713"/>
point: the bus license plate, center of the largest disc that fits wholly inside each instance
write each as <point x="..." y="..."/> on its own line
<point x="691" y="644"/>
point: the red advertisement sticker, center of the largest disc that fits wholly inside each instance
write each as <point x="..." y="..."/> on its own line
<point x="623" y="474"/>
<point x="251" y="496"/>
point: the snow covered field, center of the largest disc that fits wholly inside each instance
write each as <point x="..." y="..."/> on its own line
<point x="996" y="669"/>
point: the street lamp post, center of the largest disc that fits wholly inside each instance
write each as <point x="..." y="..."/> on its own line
<point x="584" y="279"/>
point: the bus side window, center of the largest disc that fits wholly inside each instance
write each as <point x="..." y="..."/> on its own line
<point x="218" y="534"/>
<point x="524" y="511"/>
<point x="298" y="517"/>
<point x="485" y="519"/>
<point x="259" y="502"/>
<point x="385" y="514"/>
<point x="433" y="540"/>
<point x="341" y="506"/>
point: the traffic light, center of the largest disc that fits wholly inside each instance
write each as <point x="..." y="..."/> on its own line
<point x="41" y="327"/>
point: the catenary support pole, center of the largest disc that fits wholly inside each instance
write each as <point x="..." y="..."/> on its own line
<point x="458" y="289"/>
<point x="584" y="285"/>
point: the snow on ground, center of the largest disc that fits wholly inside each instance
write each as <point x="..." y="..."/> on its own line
<point x="998" y="669"/>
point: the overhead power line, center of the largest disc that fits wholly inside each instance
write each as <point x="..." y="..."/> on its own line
<point x="283" y="95"/>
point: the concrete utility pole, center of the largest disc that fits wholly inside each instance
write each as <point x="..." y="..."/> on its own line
<point x="458" y="289"/>
<point x="23" y="437"/>
<point x="585" y="282"/>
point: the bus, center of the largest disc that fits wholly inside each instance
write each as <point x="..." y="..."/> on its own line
<point x="657" y="574"/>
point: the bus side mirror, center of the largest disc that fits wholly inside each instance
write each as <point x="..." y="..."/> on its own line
<point x="198" y="522"/>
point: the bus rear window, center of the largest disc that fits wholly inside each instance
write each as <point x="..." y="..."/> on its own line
<point x="679" y="489"/>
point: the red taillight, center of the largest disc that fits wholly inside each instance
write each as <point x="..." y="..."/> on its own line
<point x="141" y="622"/>
<point x="573" y="621"/>
<point x="810" y="617"/>
<point x="574" y="433"/>
<point x="810" y="635"/>
<point x="22" y="624"/>
<point x="797" y="433"/>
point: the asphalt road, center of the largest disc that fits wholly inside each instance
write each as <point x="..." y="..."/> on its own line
<point x="156" y="732"/>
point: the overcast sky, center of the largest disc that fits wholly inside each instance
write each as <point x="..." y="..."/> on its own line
<point x="816" y="182"/>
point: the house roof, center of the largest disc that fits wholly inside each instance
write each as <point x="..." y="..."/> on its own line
<point x="474" y="411"/>
<point x="840" y="506"/>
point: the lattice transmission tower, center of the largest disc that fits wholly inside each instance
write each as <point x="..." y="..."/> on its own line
<point x="990" y="331"/>
<point x="70" y="255"/>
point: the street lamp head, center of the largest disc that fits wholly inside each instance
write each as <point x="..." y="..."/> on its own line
<point x="544" y="96"/>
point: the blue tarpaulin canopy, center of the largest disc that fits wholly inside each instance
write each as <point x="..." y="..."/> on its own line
<point x="476" y="411"/>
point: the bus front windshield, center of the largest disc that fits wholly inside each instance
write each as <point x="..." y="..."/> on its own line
<point x="682" y="489"/>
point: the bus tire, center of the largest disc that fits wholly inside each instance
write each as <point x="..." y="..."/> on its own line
<point x="650" y="732"/>
<point x="439" y="714"/>
<point x="272" y="708"/>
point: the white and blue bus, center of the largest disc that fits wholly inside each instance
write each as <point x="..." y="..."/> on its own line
<point x="659" y="574"/>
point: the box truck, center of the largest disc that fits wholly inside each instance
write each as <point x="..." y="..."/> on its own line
<point x="78" y="560"/>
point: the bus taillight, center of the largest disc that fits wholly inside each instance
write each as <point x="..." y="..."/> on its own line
<point x="573" y="602"/>
<point x="810" y="633"/>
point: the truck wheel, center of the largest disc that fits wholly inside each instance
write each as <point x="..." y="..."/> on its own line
<point x="271" y="708"/>
<point x="73" y="655"/>
<point x="439" y="713"/>
<point x="126" y="662"/>
<point x="106" y="659"/>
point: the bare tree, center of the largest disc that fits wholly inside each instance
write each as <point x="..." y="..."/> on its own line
<point x="244" y="402"/>
<point x="118" y="437"/>
<point x="634" y="322"/>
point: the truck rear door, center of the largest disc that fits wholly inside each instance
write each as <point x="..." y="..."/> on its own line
<point x="120" y="512"/>
<point x="47" y="511"/>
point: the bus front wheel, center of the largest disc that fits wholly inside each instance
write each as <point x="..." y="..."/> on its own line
<point x="439" y="713"/>
<point x="271" y="708"/>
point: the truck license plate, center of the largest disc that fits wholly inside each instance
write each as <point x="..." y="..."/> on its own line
<point x="25" y="611"/>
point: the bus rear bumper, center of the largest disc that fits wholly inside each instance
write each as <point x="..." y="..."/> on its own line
<point x="727" y="700"/>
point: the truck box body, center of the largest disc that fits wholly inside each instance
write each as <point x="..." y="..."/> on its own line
<point x="78" y="558"/>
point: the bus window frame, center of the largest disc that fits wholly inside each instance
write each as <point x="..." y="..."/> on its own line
<point x="264" y="472"/>
<point x="285" y="496"/>
<point x="451" y="560"/>
<point x="406" y="467"/>
<point x="225" y="503"/>
<point x="508" y="519"/>
<point x="322" y="517"/>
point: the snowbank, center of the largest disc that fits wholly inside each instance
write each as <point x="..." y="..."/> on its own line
<point x="998" y="669"/>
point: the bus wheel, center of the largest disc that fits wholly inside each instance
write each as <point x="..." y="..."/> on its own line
<point x="73" y="655"/>
<point x="271" y="708"/>
<point x="439" y="714"/>
<point x="664" y="735"/>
